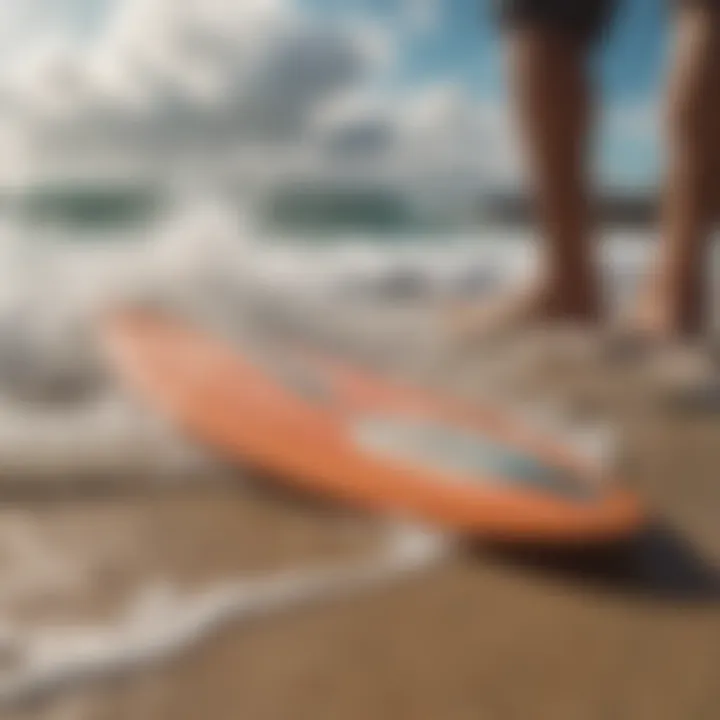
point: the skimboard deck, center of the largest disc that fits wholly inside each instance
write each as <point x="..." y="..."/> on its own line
<point x="321" y="425"/>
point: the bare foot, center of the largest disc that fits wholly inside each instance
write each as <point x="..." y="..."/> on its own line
<point x="655" y="328"/>
<point x="531" y="308"/>
<point x="668" y="319"/>
<point x="681" y="372"/>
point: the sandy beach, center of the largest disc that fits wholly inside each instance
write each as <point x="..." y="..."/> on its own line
<point x="630" y="632"/>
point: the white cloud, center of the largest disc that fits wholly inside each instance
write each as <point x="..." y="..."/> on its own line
<point x="436" y="134"/>
<point x="200" y="77"/>
<point x="17" y="21"/>
<point x="253" y="85"/>
<point x="47" y="81"/>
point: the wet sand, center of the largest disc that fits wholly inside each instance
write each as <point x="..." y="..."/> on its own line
<point x="628" y="633"/>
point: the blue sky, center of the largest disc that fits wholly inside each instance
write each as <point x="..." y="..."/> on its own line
<point x="463" y="45"/>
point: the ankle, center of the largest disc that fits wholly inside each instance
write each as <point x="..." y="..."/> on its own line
<point x="573" y="300"/>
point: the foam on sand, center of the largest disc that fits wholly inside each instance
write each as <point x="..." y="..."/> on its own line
<point x="163" y="621"/>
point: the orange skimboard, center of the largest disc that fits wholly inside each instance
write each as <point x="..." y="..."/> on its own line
<point x="323" y="426"/>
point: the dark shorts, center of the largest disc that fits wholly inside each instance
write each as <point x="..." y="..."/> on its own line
<point x="583" y="19"/>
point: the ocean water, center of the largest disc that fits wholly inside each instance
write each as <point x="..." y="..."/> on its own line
<point x="61" y="411"/>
